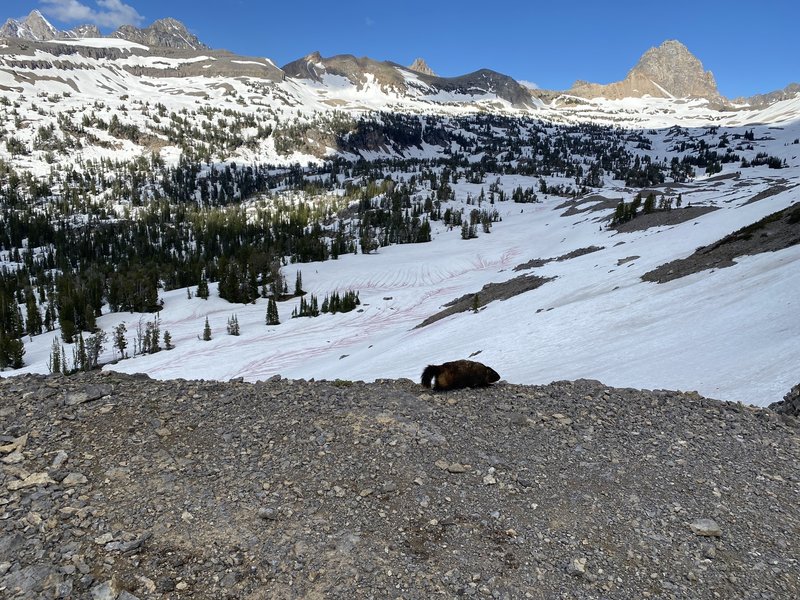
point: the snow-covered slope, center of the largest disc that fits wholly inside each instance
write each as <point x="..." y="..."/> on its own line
<point x="731" y="333"/>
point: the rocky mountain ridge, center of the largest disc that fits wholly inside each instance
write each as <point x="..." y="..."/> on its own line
<point x="363" y="72"/>
<point x="123" y="488"/>
<point x="667" y="71"/>
<point x="163" y="33"/>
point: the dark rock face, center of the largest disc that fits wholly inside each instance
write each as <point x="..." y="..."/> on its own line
<point x="790" y="405"/>
<point x="293" y="489"/>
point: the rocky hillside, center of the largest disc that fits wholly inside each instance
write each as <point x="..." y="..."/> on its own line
<point x="760" y="100"/>
<point x="119" y="487"/>
<point x="668" y="71"/>
<point x="414" y="81"/>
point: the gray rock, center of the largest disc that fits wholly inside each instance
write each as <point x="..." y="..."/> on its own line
<point x="706" y="527"/>
<point x="74" y="479"/>
<point x="790" y="405"/>
<point x="87" y="394"/>
<point x="104" y="591"/>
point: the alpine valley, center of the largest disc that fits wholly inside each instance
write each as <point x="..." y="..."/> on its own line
<point x="184" y="212"/>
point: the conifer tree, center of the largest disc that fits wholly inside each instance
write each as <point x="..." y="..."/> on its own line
<point x="119" y="342"/>
<point x="233" y="325"/>
<point x="33" y="318"/>
<point x="80" y="359"/>
<point x="95" y="344"/>
<point x="206" y="331"/>
<point x="54" y="363"/>
<point x="272" y="312"/>
<point x="64" y="368"/>
<point x="168" y="340"/>
<point x="202" y="288"/>
<point x="649" y="203"/>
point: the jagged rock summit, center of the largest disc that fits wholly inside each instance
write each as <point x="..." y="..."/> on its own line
<point x="164" y="33"/>
<point x="668" y="71"/>
<point x="420" y="66"/>
<point x="34" y="27"/>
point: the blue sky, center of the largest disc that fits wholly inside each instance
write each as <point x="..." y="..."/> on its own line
<point x="751" y="47"/>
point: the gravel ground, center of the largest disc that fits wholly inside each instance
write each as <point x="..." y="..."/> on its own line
<point x="120" y="487"/>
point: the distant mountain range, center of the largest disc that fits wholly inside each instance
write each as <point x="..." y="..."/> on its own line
<point x="667" y="71"/>
<point x="164" y="33"/>
<point x="38" y="58"/>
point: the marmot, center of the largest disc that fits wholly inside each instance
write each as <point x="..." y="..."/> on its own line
<point x="458" y="374"/>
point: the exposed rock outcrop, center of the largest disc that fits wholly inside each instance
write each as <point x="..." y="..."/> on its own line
<point x="420" y="66"/>
<point x="790" y="405"/>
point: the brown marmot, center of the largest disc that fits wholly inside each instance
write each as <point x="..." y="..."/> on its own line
<point x="458" y="374"/>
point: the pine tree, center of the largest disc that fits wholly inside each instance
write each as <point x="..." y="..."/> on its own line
<point x="64" y="368"/>
<point x="54" y="363"/>
<point x="233" y="325"/>
<point x="95" y="344"/>
<point x="12" y="349"/>
<point x="80" y="359"/>
<point x="202" y="288"/>
<point x="619" y="215"/>
<point x="206" y="331"/>
<point x="649" y="203"/>
<point x="272" y="312"/>
<point x="476" y="303"/>
<point x="167" y="341"/>
<point x="120" y="343"/>
<point x="298" y="284"/>
<point x="33" y="318"/>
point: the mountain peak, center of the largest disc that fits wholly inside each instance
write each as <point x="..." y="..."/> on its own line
<point x="163" y="33"/>
<point x="33" y="27"/>
<point x="672" y="67"/>
<point x="420" y="66"/>
<point x="667" y="71"/>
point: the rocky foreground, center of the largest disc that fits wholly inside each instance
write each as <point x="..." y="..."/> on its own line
<point x="120" y="487"/>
